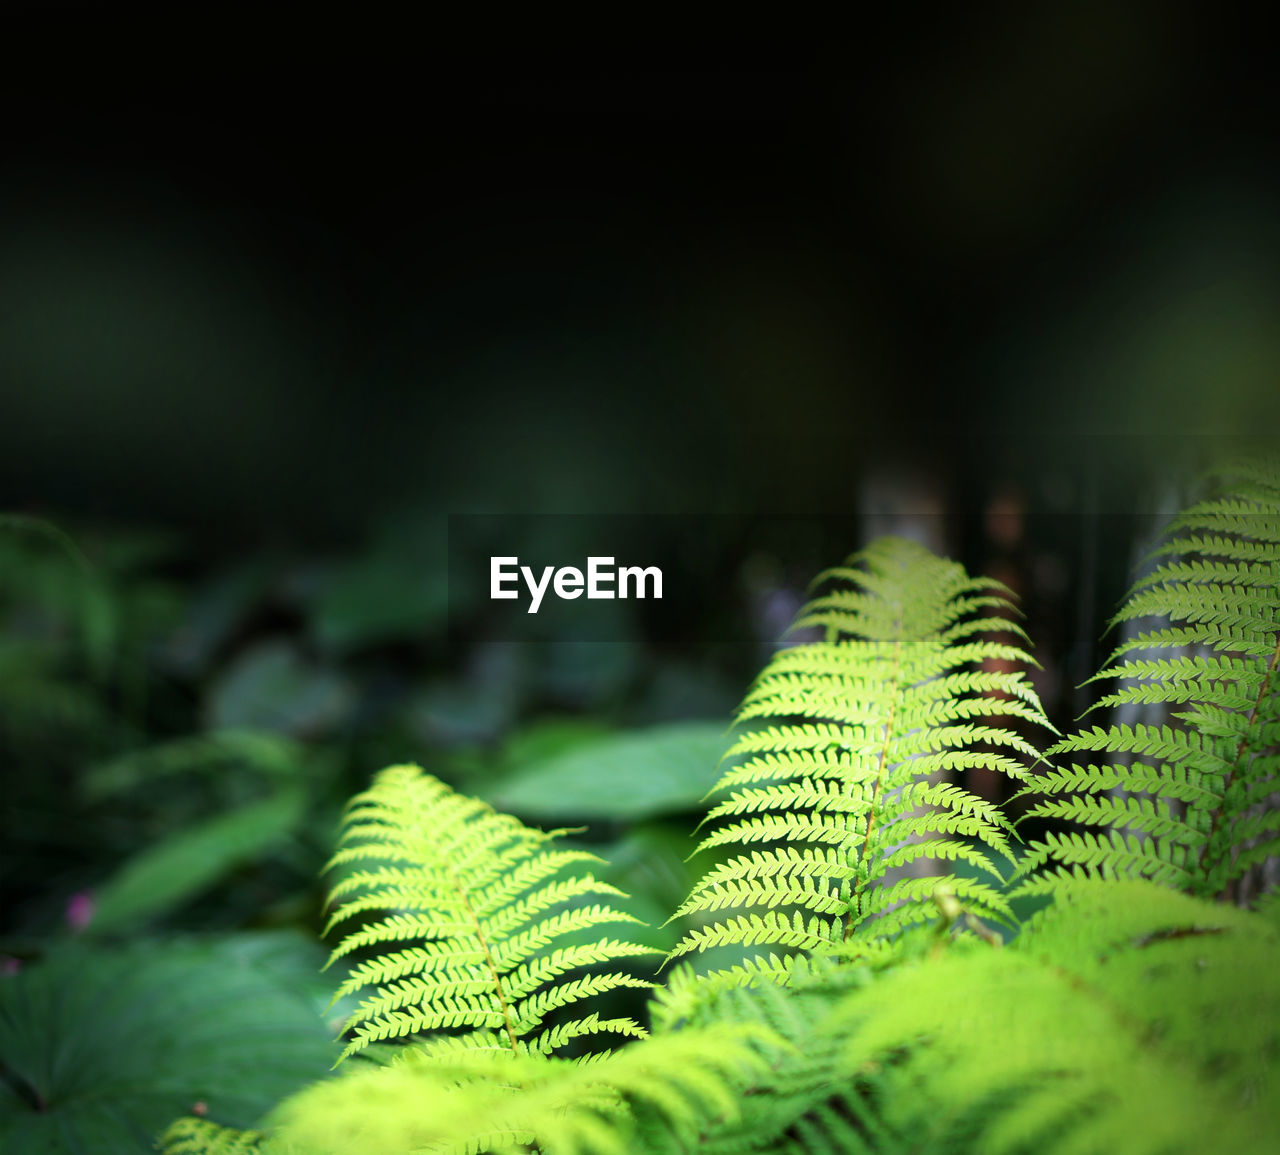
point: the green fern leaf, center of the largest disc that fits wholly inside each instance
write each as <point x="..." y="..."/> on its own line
<point x="839" y="777"/>
<point x="1125" y="1017"/>
<point x="656" y="1096"/>
<point x="803" y="1099"/>
<point x="1195" y="792"/>
<point x="478" y="925"/>
<point x="192" y="1136"/>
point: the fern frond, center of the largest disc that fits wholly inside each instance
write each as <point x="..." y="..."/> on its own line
<point x="842" y="764"/>
<point x="1125" y="1017"/>
<point x="656" y="1096"/>
<point x="804" y="1099"/>
<point x="1190" y="788"/>
<point x="192" y="1136"/>
<point x="478" y="928"/>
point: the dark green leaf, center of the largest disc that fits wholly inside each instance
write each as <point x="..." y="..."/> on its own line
<point x="162" y="876"/>
<point x="103" y="1049"/>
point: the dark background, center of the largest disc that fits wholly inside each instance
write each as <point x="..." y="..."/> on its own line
<point x="260" y="293"/>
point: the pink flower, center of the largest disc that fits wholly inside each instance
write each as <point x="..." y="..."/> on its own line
<point x="79" y="910"/>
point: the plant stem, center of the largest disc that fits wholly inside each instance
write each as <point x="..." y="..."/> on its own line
<point x="488" y="958"/>
<point x="856" y="900"/>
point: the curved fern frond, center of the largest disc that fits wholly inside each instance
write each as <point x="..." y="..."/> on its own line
<point x="839" y="777"/>
<point x="1185" y="802"/>
<point x="656" y="1096"/>
<point x="1124" y="1017"/>
<point x="479" y="926"/>
<point x="796" y="1100"/>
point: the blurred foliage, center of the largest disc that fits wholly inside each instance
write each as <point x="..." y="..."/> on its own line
<point x="178" y="734"/>
<point x="164" y="874"/>
<point x="180" y="728"/>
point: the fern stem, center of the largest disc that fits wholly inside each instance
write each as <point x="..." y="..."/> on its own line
<point x="1263" y="690"/>
<point x="488" y="958"/>
<point x="855" y="902"/>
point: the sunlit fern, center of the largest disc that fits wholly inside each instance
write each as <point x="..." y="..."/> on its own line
<point x="1125" y="1017"/>
<point x="839" y="773"/>
<point x="194" y="1136"/>
<point x="475" y="923"/>
<point x="472" y="911"/>
<point x="1185" y="804"/>
<point x="657" y="1096"/>
<point x="802" y="1098"/>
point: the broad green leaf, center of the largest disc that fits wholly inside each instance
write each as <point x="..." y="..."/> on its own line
<point x="549" y="738"/>
<point x="102" y="1049"/>
<point x="269" y="754"/>
<point x="662" y="770"/>
<point x="164" y="875"/>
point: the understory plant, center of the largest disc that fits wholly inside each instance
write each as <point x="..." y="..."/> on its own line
<point x="844" y="983"/>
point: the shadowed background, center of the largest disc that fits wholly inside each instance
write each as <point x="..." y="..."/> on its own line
<point x="263" y="299"/>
